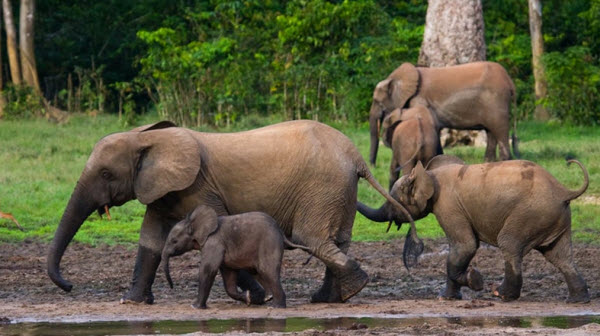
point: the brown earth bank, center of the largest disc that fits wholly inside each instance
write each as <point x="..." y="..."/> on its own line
<point x="102" y="274"/>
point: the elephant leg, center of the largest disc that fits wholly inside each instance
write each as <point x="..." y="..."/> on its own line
<point x="247" y="283"/>
<point x="394" y="173"/>
<point x="513" y="251"/>
<point x="230" y="282"/>
<point x="153" y="234"/>
<point x="490" y="149"/>
<point x="503" y="146"/>
<point x="208" y="271"/>
<point x="271" y="279"/>
<point x="560" y="254"/>
<point x="463" y="246"/>
<point x="343" y="276"/>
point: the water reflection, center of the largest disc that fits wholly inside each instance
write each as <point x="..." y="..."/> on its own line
<point x="296" y="324"/>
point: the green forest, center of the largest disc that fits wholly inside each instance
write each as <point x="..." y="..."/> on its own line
<point x="219" y="63"/>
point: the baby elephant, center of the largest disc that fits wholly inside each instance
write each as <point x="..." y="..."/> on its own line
<point x="413" y="136"/>
<point x="251" y="241"/>
<point x="514" y="205"/>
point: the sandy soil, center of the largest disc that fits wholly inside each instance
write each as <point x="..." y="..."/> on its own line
<point x="101" y="275"/>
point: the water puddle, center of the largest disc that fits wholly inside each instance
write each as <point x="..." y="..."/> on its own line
<point x="296" y="324"/>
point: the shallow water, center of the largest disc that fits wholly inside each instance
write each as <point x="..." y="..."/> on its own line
<point x="295" y="324"/>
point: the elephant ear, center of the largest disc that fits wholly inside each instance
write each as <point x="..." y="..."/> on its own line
<point x="389" y="125"/>
<point x="203" y="222"/>
<point x="423" y="187"/>
<point x="405" y="81"/>
<point x="443" y="160"/>
<point x="169" y="160"/>
<point x="155" y="126"/>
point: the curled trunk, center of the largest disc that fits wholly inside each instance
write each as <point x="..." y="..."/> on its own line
<point x="78" y="209"/>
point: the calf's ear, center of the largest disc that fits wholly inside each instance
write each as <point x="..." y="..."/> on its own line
<point x="423" y="187"/>
<point x="204" y="223"/>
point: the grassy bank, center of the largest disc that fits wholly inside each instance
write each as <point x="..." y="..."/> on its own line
<point x="41" y="162"/>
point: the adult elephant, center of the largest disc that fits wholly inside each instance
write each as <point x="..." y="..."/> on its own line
<point x="302" y="173"/>
<point x="468" y="96"/>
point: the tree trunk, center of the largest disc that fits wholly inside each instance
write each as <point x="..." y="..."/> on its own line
<point x="26" y="29"/>
<point x="2" y="100"/>
<point x="537" y="50"/>
<point x="454" y="34"/>
<point x="11" y="43"/>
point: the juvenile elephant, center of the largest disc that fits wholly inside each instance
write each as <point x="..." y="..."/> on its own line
<point x="413" y="137"/>
<point x="302" y="173"/>
<point x="467" y="96"/>
<point x="514" y="205"/>
<point x="251" y="241"/>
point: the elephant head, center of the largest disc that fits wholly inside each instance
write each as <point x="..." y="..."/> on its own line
<point x="391" y="93"/>
<point x="190" y="233"/>
<point x="389" y="125"/>
<point x="145" y="163"/>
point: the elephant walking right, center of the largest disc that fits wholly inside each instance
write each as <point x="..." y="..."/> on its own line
<point x="304" y="174"/>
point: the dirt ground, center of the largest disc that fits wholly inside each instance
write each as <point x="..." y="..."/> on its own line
<point x="102" y="274"/>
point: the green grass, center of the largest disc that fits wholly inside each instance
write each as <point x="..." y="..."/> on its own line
<point x="41" y="162"/>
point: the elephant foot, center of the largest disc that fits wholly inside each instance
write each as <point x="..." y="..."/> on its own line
<point x="198" y="305"/>
<point x="449" y="294"/>
<point x="583" y="297"/>
<point x="132" y="298"/>
<point x="247" y="297"/>
<point x="352" y="281"/>
<point x="505" y="294"/>
<point x="326" y="296"/>
<point x="474" y="280"/>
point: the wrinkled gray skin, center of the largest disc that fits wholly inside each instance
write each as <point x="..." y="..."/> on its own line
<point x="413" y="137"/>
<point x="514" y="205"/>
<point x="304" y="174"/>
<point x="251" y="241"/>
<point x="473" y="96"/>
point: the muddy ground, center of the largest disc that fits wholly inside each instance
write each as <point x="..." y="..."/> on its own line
<point x="102" y="274"/>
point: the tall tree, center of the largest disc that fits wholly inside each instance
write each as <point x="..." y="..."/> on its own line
<point x="537" y="50"/>
<point x="454" y="34"/>
<point x="26" y="30"/>
<point x="11" y="43"/>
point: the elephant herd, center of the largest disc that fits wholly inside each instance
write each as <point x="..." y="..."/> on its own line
<point x="303" y="176"/>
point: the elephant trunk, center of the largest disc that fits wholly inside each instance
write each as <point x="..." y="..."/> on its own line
<point x="377" y="215"/>
<point x="76" y="212"/>
<point x="375" y="117"/>
<point x="165" y="260"/>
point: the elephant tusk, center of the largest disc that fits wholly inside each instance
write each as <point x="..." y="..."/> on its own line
<point x="107" y="212"/>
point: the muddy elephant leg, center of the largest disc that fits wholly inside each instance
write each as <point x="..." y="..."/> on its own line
<point x="513" y="251"/>
<point x="560" y="254"/>
<point x="463" y="246"/>
<point x="153" y="234"/>
<point x="343" y="276"/>
<point x="490" y="149"/>
<point x="271" y="280"/>
<point x="247" y="283"/>
<point x="458" y="275"/>
<point x="230" y="283"/>
<point x="394" y="173"/>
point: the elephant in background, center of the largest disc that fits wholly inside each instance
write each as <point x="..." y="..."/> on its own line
<point x="514" y="205"/>
<point x="251" y="241"/>
<point x="302" y="173"/>
<point x="468" y="96"/>
<point x="413" y="137"/>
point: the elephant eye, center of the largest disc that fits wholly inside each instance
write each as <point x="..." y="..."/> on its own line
<point x="106" y="175"/>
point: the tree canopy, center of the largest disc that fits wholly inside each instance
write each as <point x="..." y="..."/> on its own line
<point x="216" y="61"/>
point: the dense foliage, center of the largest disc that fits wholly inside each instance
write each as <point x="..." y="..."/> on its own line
<point x="215" y="61"/>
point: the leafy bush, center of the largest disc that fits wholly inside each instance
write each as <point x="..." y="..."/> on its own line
<point x="573" y="85"/>
<point x="21" y="102"/>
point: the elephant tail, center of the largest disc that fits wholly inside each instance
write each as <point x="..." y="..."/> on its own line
<point x="573" y="194"/>
<point x="302" y="247"/>
<point x="413" y="245"/>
